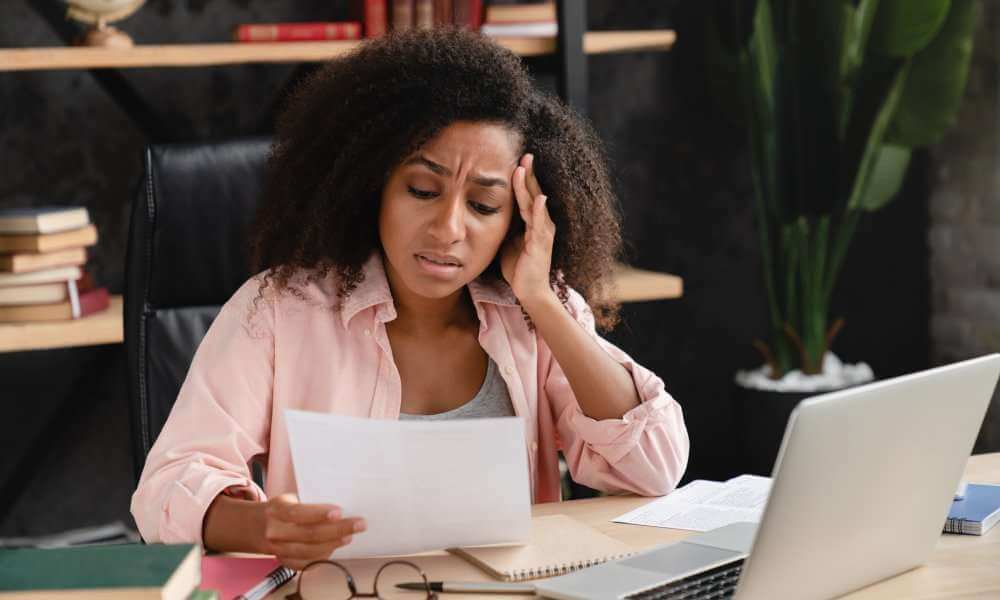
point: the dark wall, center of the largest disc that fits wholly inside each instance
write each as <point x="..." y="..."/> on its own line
<point x="681" y="173"/>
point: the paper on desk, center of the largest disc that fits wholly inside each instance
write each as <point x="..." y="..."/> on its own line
<point x="705" y="505"/>
<point x="424" y="485"/>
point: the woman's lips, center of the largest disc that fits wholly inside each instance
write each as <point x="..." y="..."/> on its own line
<point x="437" y="267"/>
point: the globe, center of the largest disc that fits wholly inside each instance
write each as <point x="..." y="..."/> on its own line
<point x="98" y="13"/>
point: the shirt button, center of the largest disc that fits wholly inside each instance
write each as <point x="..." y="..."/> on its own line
<point x="534" y="446"/>
<point x="368" y="332"/>
<point x="508" y="370"/>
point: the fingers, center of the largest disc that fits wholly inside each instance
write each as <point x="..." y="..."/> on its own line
<point x="528" y="162"/>
<point x="521" y="195"/>
<point x="287" y="507"/>
<point x="314" y="533"/>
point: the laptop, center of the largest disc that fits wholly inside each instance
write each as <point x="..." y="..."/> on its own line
<point x="861" y="489"/>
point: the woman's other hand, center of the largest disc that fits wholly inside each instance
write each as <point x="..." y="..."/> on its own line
<point x="298" y="534"/>
<point x="527" y="259"/>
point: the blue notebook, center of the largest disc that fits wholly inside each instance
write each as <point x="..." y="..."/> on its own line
<point x="977" y="512"/>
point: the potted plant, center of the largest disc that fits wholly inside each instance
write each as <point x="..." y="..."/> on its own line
<point x="835" y="95"/>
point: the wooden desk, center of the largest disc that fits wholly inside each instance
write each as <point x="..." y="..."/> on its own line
<point x="961" y="565"/>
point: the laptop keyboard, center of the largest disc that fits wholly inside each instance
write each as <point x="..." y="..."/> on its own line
<point x="713" y="584"/>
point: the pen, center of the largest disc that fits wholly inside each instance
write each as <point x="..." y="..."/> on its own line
<point x="274" y="580"/>
<point x="471" y="587"/>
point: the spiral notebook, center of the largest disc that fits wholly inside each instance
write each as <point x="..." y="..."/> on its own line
<point x="558" y="545"/>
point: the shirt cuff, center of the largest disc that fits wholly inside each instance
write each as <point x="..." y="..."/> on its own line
<point x="614" y="438"/>
<point x="185" y="508"/>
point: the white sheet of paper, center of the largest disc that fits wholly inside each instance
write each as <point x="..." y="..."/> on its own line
<point x="420" y="485"/>
<point x="705" y="505"/>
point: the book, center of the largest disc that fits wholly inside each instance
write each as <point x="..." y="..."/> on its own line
<point x="423" y="14"/>
<point x="468" y="14"/>
<point x="49" y="242"/>
<point x="44" y="219"/>
<point x="133" y="571"/>
<point x="234" y="575"/>
<point x="520" y="13"/>
<point x="443" y="12"/>
<point x="58" y="274"/>
<point x="402" y="15"/>
<point x="373" y="15"/>
<point x="977" y="512"/>
<point x="558" y="545"/>
<point x="533" y="29"/>
<point x="78" y="305"/>
<point x="297" y="32"/>
<point x="41" y="293"/>
<point x="23" y="262"/>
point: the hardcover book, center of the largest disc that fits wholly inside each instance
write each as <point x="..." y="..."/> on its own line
<point x="23" y="262"/>
<point x="44" y="219"/>
<point x="298" y="32"/>
<point x="49" y="242"/>
<point x="133" y="571"/>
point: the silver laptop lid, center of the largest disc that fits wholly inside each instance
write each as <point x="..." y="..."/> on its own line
<point x="864" y="480"/>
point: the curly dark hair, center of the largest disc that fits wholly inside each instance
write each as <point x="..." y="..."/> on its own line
<point x="350" y="124"/>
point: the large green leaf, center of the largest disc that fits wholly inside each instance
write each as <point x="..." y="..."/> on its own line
<point x="886" y="176"/>
<point x="876" y="135"/>
<point x="903" y="27"/>
<point x="936" y="84"/>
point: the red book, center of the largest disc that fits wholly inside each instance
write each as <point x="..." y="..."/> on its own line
<point x="298" y="32"/>
<point x="374" y="14"/>
<point x="468" y="14"/>
<point x="443" y="13"/>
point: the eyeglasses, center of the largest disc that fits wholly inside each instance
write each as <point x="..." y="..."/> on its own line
<point x="330" y="580"/>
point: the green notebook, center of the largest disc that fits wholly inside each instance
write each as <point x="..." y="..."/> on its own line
<point x="165" y="572"/>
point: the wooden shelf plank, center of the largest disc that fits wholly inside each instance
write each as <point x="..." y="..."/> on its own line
<point x="637" y="285"/>
<point x="631" y="285"/>
<point x="102" y="328"/>
<point x="195" y="55"/>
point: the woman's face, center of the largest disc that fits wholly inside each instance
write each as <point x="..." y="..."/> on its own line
<point x="446" y="209"/>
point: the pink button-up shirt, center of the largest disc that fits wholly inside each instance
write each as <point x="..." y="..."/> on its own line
<point x="311" y="353"/>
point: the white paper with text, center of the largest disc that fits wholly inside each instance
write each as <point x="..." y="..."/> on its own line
<point x="424" y="485"/>
<point x="705" y="505"/>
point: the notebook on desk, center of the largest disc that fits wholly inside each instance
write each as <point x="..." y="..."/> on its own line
<point x="558" y="545"/>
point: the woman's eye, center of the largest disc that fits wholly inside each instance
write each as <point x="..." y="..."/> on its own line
<point x="483" y="209"/>
<point x="423" y="194"/>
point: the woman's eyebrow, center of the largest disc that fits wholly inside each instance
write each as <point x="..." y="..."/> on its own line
<point x="420" y="159"/>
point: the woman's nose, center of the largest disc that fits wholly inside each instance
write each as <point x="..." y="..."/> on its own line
<point x="449" y="223"/>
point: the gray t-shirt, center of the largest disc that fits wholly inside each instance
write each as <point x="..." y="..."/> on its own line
<point x="492" y="400"/>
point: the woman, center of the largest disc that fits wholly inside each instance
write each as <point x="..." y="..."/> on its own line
<point x="433" y="230"/>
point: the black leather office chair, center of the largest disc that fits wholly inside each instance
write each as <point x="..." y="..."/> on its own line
<point x="187" y="254"/>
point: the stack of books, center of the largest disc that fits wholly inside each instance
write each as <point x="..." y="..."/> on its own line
<point x="370" y="18"/>
<point x="42" y="255"/>
<point x="536" y="19"/>
<point x="425" y="14"/>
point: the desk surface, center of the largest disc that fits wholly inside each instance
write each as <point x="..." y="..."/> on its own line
<point x="961" y="565"/>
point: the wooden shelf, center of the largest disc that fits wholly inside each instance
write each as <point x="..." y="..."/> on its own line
<point x="102" y="328"/>
<point x="194" y="55"/>
<point x="637" y="285"/>
<point x="631" y="285"/>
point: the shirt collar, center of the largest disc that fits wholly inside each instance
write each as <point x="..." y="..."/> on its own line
<point x="373" y="291"/>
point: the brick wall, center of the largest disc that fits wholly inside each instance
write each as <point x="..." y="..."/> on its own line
<point x="964" y="232"/>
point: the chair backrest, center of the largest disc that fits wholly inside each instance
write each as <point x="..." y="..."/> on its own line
<point x="187" y="254"/>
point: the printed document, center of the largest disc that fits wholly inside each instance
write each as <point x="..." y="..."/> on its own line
<point x="705" y="505"/>
<point x="420" y="485"/>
